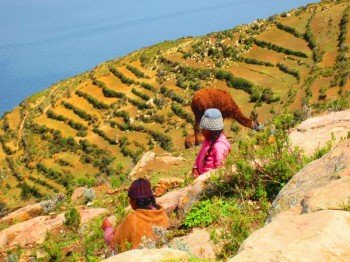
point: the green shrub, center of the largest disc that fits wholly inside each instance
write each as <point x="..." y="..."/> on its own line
<point x="243" y="218"/>
<point x="139" y="94"/>
<point x="137" y="72"/>
<point x="123" y="78"/>
<point x="172" y="95"/>
<point x="178" y="110"/>
<point x="28" y="191"/>
<point x="93" y="241"/>
<point x="279" y="49"/>
<point x="233" y="219"/>
<point x="289" y="29"/>
<point x="72" y="219"/>
<point x="235" y="127"/>
<point x="92" y="100"/>
<point x="149" y="87"/>
<point x="290" y="71"/>
<point x="265" y="162"/>
<point x="53" y="250"/>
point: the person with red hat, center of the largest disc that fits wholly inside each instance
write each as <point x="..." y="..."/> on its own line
<point x="138" y="224"/>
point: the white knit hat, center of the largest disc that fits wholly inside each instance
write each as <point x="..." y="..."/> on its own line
<point x="212" y="120"/>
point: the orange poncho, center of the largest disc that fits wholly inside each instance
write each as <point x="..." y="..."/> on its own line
<point x="135" y="226"/>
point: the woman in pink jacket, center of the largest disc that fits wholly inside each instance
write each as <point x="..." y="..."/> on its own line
<point x="215" y="147"/>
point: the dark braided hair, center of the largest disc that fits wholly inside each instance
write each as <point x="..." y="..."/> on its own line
<point x="147" y="203"/>
<point x="214" y="135"/>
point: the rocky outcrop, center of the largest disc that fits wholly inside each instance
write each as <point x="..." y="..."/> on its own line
<point x="148" y="156"/>
<point x="33" y="231"/>
<point x="167" y="183"/>
<point x="149" y="161"/>
<point x="23" y="214"/>
<point x="310" y="218"/>
<point x="78" y="193"/>
<point x="318" y="176"/>
<point x="320" y="236"/>
<point x="198" y="243"/>
<point x="183" y="199"/>
<point x="143" y="255"/>
<point x="319" y="130"/>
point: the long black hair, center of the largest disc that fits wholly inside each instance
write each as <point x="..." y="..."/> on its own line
<point x="214" y="135"/>
<point x="147" y="203"/>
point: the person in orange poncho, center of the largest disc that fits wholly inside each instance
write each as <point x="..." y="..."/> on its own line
<point x="128" y="235"/>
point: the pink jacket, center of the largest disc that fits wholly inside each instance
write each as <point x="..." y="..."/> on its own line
<point x="216" y="158"/>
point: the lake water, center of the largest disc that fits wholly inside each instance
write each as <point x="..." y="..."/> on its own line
<point x="44" y="41"/>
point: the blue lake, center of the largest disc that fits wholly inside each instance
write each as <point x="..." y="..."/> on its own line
<point x="43" y="41"/>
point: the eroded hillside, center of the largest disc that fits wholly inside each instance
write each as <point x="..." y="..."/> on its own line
<point x="99" y="123"/>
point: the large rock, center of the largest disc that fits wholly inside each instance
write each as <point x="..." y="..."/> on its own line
<point x="198" y="243"/>
<point x="319" y="236"/>
<point x="194" y="192"/>
<point x="148" y="156"/>
<point x="319" y="130"/>
<point x="78" y="193"/>
<point x="309" y="220"/>
<point x="183" y="199"/>
<point x="33" y="231"/>
<point x="143" y="255"/>
<point x="167" y="183"/>
<point x="23" y="214"/>
<point x="319" y="173"/>
<point x="335" y="195"/>
<point x="3" y="240"/>
<point x="171" y="200"/>
<point x="169" y="159"/>
<point x="150" y="161"/>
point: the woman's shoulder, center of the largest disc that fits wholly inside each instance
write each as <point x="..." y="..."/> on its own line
<point x="222" y="142"/>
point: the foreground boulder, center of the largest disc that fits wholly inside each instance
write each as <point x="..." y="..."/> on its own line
<point x="314" y="133"/>
<point x="23" y="214"/>
<point x="310" y="218"/>
<point x="33" y="231"/>
<point x="319" y="236"/>
<point x="183" y="199"/>
<point x="139" y="255"/>
<point x="318" y="174"/>
<point x="198" y="244"/>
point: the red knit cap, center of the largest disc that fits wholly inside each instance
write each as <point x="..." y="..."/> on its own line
<point x="140" y="188"/>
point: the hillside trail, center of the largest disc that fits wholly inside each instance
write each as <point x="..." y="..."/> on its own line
<point x="23" y="120"/>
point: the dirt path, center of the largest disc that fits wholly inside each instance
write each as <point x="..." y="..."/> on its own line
<point x="21" y="125"/>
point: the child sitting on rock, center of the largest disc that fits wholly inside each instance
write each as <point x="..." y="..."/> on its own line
<point x="215" y="147"/>
<point x="128" y="235"/>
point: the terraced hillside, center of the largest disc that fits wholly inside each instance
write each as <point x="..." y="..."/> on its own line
<point x="98" y="124"/>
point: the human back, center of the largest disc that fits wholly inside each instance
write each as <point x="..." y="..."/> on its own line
<point x="138" y="224"/>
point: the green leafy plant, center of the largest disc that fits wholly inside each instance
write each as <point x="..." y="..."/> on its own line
<point x="199" y="215"/>
<point x="53" y="251"/>
<point x="244" y="217"/>
<point x="93" y="241"/>
<point x="264" y="162"/>
<point x="72" y="219"/>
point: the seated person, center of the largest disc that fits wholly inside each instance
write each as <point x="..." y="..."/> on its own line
<point x="128" y="235"/>
<point x="215" y="147"/>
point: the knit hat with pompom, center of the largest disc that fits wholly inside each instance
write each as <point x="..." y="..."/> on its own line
<point x="140" y="188"/>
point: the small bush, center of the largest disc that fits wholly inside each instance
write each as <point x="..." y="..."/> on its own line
<point x="89" y="195"/>
<point x="53" y="251"/>
<point x="72" y="219"/>
<point x="48" y="206"/>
